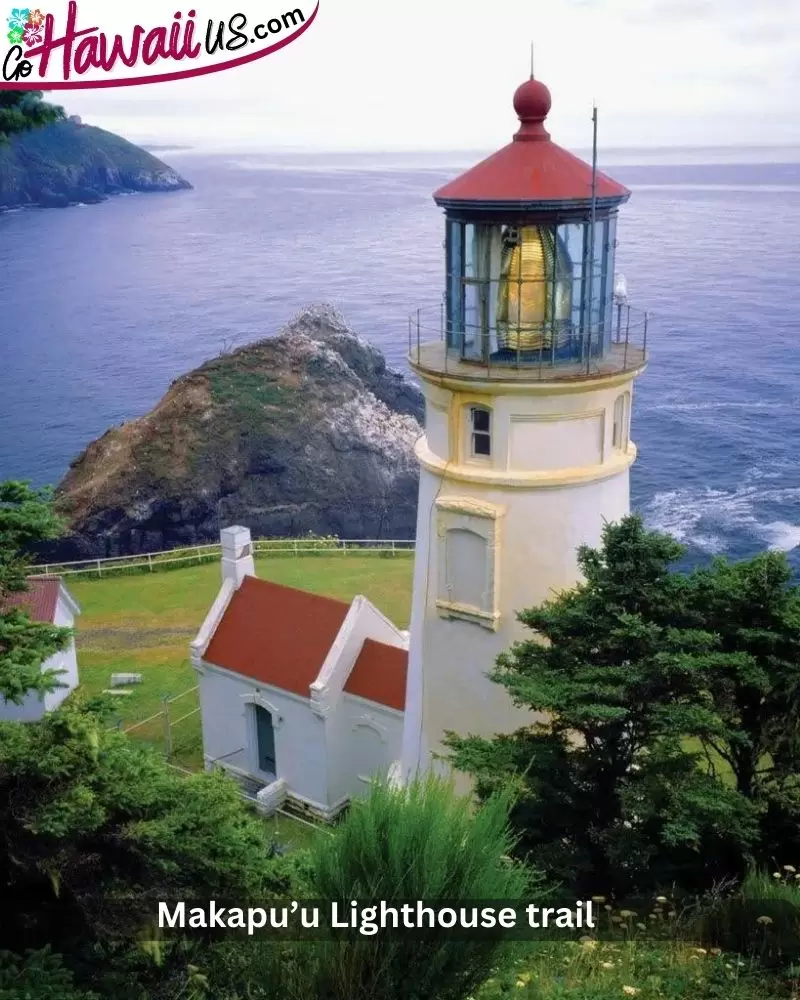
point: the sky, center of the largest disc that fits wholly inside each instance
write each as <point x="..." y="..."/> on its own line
<point x="440" y="74"/>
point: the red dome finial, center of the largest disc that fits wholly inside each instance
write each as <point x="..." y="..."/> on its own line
<point x="532" y="103"/>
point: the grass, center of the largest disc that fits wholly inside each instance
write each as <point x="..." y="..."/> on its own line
<point x="645" y="970"/>
<point x="144" y="624"/>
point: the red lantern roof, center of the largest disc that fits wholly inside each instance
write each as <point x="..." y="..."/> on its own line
<point x="531" y="169"/>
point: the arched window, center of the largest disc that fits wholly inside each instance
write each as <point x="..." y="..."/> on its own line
<point x="480" y="428"/>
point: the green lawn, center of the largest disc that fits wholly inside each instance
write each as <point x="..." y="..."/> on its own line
<point x="144" y="623"/>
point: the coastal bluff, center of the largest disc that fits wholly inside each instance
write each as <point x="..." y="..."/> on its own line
<point x="306" y="431"/>
<point x="68" y="162"/>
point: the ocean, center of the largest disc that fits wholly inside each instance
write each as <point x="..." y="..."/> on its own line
<point x="104" y="305"/>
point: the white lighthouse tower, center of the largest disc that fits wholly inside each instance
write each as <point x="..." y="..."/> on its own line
<point x="528" y="380"/>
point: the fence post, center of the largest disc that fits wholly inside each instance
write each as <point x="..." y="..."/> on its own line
<point x="344" y="547"/>
<point x="294" y="546"/>
<point x="99" y="569"/>
<point x="150" y="561"/>
<point x="393" y="548"/>
<point x="167" y="728"/>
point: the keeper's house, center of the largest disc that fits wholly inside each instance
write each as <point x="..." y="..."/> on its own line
<point x="301" y="696"/>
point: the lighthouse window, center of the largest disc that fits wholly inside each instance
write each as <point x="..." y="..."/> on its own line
<point x="481" y="424"/>
<point x="619" y="434"/>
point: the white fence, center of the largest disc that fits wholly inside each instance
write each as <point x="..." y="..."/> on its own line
<point x="196" y="554"/>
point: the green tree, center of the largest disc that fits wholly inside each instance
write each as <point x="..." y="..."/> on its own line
<point x="93" y="825"/>
<point x="26" y="517"/>
<point x="21" y="110"/>
<point x="614" y="790"/>
<point x="38" y="975"/>
<point x="754" y="608"/>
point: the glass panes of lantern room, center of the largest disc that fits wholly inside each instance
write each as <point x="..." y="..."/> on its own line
<point x="529" y="294"/>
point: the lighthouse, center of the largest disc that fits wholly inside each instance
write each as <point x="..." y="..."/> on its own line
<point x="527" y="372"/>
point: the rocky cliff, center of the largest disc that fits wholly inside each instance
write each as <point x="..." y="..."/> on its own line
<point x="69" y="162"/>
<point x="308" y="431"/>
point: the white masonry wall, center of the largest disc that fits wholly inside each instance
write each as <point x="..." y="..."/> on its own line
<point x="229" y="736"/>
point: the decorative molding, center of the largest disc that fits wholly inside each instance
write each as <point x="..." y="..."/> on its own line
<point x="487" y="619"/>
<point x="550" y="479"/>
<point x="256" y="698"/>
<point x="470" y="507"/>
<point x="481" y="519"/>
<point x="211" y="622"/>
<point x="366" y="722"/>
<point x="543" y="418"/>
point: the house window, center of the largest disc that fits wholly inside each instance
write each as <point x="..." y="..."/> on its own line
<point x="481" y="431"/>
<point x="265" y="739"/>
<point x="619" y="433"/>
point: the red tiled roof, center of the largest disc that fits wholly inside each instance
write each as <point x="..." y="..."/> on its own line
<point x="277" y="635"/>
<point x="379" y="674"/>
<point x="39" y="600"/>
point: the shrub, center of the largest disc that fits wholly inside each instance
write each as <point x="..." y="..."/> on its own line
<point x="760" y="918"/>
<point x="418" y="843"/>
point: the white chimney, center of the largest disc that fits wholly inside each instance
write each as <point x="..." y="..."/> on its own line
<point x="237" y="554"/>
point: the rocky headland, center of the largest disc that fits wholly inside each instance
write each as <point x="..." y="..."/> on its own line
<point x="306" y="431"/>
<point x="69" y="162"/>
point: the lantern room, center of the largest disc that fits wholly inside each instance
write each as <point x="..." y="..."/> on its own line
<point x="531" y="234"/>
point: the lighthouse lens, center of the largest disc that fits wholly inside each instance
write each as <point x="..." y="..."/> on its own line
<point x="534" y="301"/>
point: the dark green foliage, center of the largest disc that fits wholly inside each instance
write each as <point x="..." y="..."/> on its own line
<point x="91" y="816"/>
<point x="755" y="610"/>
<point x="759" y="918"/>
<point x="22" y="110"/>
<point x="26" y="517"/>
<point x="650" y="679"/>
<point x="421" y="843"/>
<point x="65" y="162"/>
<point x="39" y="975"/>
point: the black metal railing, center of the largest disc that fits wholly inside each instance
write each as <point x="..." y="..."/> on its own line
<point x="554" y="352"/>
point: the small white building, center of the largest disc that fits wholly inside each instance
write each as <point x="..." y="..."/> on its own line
<point x="46" y="600"/>
<point x="301" y="696"/>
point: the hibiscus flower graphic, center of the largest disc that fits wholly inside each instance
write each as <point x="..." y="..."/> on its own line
<point x="33" y="34"/>
<point x="15" y="36"/>
<point x="19" y="18"/>
<point x="36" y="17"/>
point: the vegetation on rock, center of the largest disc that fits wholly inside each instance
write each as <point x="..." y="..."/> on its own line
<point x="23" y="110"/>
<point x="308" y="431"/>
<point x="66" y="162"/>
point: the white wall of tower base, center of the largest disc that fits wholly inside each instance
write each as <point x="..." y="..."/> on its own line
<point x="559" y="470"/>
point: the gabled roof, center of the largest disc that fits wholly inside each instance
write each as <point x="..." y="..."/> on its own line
<point x="379" y="674"/>
<point x="40" y="600"/>
<point x="281" y="637"/>
<point x="277" y="635"/>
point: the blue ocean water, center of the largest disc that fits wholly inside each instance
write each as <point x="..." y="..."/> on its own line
<point x="102" y="306"/>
